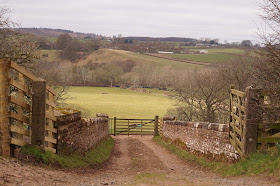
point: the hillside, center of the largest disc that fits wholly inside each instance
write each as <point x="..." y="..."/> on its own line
<point x="109" y="55"/>
<point x="48" y="32"/>
<point x="166" y="39"/>
<point x="175" y="61"/>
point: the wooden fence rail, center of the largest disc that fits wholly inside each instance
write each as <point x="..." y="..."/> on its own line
<point x="19" y="90"/>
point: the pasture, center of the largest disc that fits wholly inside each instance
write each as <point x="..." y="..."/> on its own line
<point x="117" y="102"/>
<point x="209" y="58"/>
<point x="221" y="50"/>
<point x="215" y="55"/>
<point x="52" y="55"/>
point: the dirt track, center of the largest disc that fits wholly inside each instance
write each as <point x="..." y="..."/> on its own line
<point x="135" y="161"/>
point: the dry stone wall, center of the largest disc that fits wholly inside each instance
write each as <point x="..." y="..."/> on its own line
<point x="79" y="135"/>
<point x="206" y="138"/>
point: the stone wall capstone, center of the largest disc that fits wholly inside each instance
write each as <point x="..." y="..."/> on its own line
<point x="203" y="137"/>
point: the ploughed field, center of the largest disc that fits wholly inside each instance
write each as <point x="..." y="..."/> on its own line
<point x="117" y="102"/>
<point x="207" y="58"/>
<point x="215" y="55"/>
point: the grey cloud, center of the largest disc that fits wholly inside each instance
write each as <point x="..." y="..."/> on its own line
<point x="230" y="20"/>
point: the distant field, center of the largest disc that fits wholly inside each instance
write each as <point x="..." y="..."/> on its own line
<point x="118" y="102"/>
<point x="221" y="50"/>
<point x="210" y="58"/>
<point x="51" y="39"/>
<point x="52" y="55"/>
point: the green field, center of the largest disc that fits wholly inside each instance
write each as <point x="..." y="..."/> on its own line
<point x="209" y="58"/>
<point x="52" y="55"/>
<point x="215" y="55"/>
<point x="221" y="50"/>
<point x="116" y="102"/>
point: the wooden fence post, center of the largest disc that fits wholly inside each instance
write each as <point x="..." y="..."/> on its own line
<point x="115" y="125"/>
<point x="38" y="113"/>
<point x="4" y="109"/>
<point x="252" y="120"/>
<point x="156" y="126"/>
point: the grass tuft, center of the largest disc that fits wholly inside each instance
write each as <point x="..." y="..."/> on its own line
<point x="94" y="157"/>
<point x="149" y="178"/>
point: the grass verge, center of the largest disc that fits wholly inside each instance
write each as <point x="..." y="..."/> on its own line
<point x="255" y="164"/>
<point x="98" y="155"/>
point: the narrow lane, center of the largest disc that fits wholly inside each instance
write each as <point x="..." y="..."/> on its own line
<point x="135" y="161"/>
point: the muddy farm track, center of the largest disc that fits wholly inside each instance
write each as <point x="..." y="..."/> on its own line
<point x="135" y="161"/>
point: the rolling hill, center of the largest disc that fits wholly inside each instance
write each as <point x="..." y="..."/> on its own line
<point x="110" y="55"/>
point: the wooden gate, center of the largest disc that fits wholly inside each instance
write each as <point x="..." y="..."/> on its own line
<point x="26" y="110"/>
<point x="121" y="126"/>
<point x="254" y="120"/>
<point x="237" y="122"/>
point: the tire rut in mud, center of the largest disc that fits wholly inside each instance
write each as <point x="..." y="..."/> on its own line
<point x="143" y="159"/>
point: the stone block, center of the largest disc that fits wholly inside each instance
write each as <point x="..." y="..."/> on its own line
<point x="102" y="115"/>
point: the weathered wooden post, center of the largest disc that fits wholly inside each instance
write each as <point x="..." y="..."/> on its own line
<point x="38" y="113"/>
<point x="4" y="109"/>
<point x="252" y="119"/>
<point x="156" y="126"/>
<point x="115" y="125"/>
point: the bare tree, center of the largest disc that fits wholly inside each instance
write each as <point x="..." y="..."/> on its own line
<point x="15" y="46"/>
<point x="71" y="51"/>
<point x="62" y="41"/>
<point x="269" y="67"/>
<point x="55" y="77"/>
<point x="246" y="43"/>
<point x="202" y="98"/>
<point x="113" y="73"/>
<point x="239" y="71"/>
<point x="184" y="98"/>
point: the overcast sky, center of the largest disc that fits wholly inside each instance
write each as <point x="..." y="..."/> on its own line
<point x="232" y="20"/>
